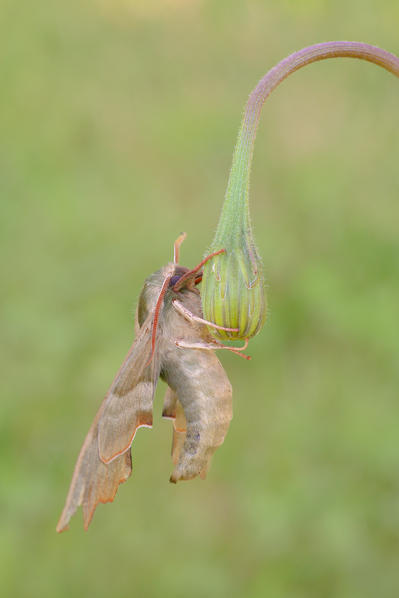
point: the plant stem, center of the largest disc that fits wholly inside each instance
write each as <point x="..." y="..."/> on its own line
<point x="236" y="199"/>
<point x="232" y="286"/>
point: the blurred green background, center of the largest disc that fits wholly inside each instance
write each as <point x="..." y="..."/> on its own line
<point x="118" y="121"/>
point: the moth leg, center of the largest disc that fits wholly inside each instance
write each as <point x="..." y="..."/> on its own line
<point x="186" y="313"/>
<point x="213" y="346"/>
<point x="172" y="409"/>
<point x="169" y="404"/>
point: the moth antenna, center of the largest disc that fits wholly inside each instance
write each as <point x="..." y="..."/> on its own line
<point x="157" y="309"/>
<point x="190" y="273"/>
<point x="176" y="247"/>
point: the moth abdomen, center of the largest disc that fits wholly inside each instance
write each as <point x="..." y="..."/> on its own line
<point x="192" y="442"/>
<point x="202" y="388"/>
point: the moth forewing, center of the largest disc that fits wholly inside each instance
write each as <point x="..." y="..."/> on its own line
<point x="93" y="481"/>
<point x="128" y="404"/>
<point x="104" y="460"/>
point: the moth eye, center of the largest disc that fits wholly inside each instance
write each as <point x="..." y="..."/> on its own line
<point x="174" y="280"/>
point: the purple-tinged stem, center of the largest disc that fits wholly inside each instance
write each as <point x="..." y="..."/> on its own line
<point x="238" y="185"/>
<point x="232" y="285"/>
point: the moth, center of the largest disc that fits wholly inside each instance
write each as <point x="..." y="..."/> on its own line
<point x="173" y="343"/>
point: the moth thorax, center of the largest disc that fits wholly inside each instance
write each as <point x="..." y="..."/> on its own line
<point x="149" y="295"/>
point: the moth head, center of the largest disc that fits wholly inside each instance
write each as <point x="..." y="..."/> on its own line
<point x="178" y="278"/>
<point x="184" y="278"/>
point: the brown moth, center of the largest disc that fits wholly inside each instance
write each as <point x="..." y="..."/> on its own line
<point x="172" y="342"/>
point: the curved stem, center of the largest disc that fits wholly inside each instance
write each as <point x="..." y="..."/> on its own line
<point x="236" y="200"/>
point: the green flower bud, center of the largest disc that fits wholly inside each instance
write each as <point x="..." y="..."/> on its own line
<point x="232" y="284"/>
<point x="233" y="290"/>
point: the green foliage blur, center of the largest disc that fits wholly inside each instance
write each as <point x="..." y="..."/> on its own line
<point x="118" y="121"/>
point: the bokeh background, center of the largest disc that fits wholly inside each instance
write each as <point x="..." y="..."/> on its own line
<point x="118" y="121"/>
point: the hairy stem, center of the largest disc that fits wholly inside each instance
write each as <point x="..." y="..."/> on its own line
<point x="236" y="199"/>
<point x="232" y="284"/>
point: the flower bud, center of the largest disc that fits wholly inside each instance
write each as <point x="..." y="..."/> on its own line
<point x="232" y="284"/>
<point x="233" y="288"/>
